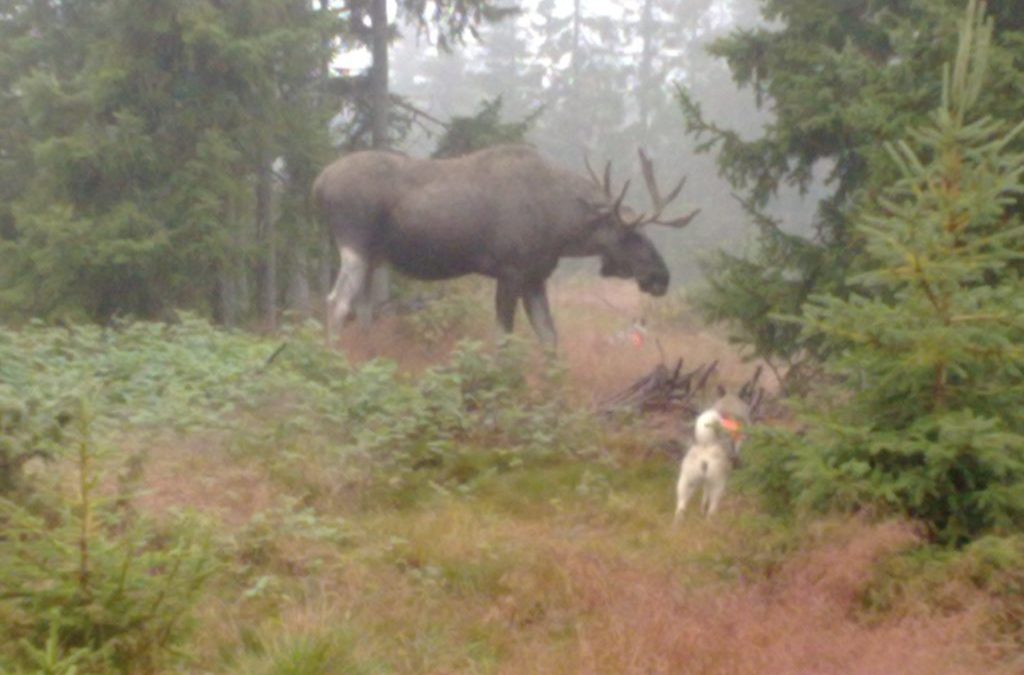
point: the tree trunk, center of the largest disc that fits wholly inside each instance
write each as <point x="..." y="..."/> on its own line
<point x="268" y="243"/>
<point x="225" y="299"/>
<point x="298" y="295"/>
<point x="380" y="101"/>
<point x="231" y="277"/>
<point x="581" y="127"/>
<point x="574" y="59"/>
<point x="647" y="29"/>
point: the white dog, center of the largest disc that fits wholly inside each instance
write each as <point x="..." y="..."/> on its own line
<point x="710" y="459"/>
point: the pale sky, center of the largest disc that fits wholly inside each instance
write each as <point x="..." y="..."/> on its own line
<point x="359" y="59"/>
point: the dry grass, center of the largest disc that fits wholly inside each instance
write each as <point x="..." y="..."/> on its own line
<point x="593" y="318"/>
<point x="386" y="340"/>
<point x="578" y="586"/>
<point x="802" y="620"/>
<point x="197" y="474"/>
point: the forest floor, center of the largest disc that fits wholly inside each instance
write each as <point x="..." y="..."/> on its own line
<point x="368" y="549"/>
<point x="567" y="567"/>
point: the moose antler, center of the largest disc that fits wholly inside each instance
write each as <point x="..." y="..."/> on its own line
<point x="659" y="203"/>
<point x="606" y="185"/>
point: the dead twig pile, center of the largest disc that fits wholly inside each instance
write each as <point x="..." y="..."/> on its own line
<point x="663" y="389"/>
<point x="753" y="393"/>
<point x="678" y="391"/>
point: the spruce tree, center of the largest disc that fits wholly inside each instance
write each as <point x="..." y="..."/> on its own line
<point x="840" y="79"/>
<point x="926" y="411"/>
<point x="144" y="137"/>
<point x="474" y="132"/>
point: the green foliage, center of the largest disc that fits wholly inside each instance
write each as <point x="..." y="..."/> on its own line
<point x="841" y="81"/>
<point x="945" y="580"/>
<point x="753" y="296"/>
<point x="185" y="375"/>
<point x="328" y="651"/>
<point x="190" y="377"/>
<point x="86" y="586"/>
<point x="925" y="415"/>
<point x="431" y="433"/>
<point x="770" y="461"/>
<point x="437" y="314"/>
<point x="140" y="131"/>
<point x="50" y="659"/>
<point x="466" y="134"/>
<point x="29" y="429"/>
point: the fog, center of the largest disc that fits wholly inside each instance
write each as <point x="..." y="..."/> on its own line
<point x="602" y="82"/>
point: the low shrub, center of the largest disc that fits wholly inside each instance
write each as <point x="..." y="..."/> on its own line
<point x="85" y="585"/>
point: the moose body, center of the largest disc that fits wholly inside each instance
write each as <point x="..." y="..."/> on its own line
<point x="504" y="212"/>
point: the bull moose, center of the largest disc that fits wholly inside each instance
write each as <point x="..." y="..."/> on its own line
<point x="503" y="212"/>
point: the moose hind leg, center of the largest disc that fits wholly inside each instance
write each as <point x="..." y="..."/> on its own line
<point x="347" y="287"/>
<point x="535" y="300"/>
<point x="372" y="295"/>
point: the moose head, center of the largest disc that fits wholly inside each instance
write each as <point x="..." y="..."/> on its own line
<point x="625" y="252"/>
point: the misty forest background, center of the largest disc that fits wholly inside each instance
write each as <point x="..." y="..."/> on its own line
<point x="860" y="169"/>
<point x="159" y="155"/>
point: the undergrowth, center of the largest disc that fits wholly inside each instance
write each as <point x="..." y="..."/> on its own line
<point x="466" y="519"/>
<point x="90" y="584"/>
<point x="86" y="584"/>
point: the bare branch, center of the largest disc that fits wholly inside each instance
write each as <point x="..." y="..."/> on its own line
<point x="416" y="112"/>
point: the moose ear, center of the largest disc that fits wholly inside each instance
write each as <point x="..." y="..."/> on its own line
<point x="596" y="210"/>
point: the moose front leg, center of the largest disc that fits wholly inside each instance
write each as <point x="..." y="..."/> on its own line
<point x="506" y="297"/>
<point x="535" y="300"/>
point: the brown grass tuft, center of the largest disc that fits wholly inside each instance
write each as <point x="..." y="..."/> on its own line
<point x="802" y="620"/>
<point x="196" y="474"/>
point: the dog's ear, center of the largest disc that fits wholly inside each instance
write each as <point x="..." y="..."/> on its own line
<point x="733" y="406"/>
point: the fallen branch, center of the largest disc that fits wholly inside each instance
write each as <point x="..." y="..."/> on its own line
<point x="274" y="355"/>
<point x="665" y="390"/>
<point x="662" y="389"/>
